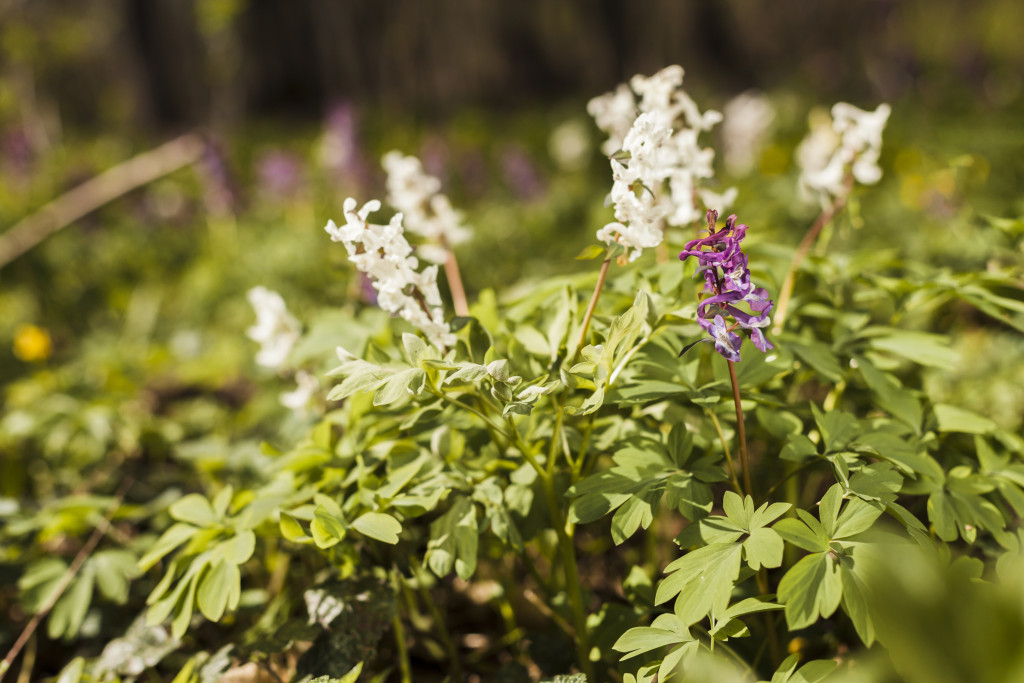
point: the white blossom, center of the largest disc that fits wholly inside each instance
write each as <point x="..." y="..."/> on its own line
<point x="382" y="252"/>
<point x="658" y="175"/>
<point x="852" y="144"/>
<point x="614" y="113"/>
<point x="276" y="330"/>
<point x="427" y="212"/>
<point x="298" y="398"/>
<point x="748" y="120"/>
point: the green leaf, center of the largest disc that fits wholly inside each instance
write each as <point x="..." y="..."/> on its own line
<point x="920" y="347"/>
<point x="378" y="525"/>
<point x="454" y="538"/>
<point x="798" y="449"/>
<point x="184" y="617"/>
<point x="175" y="535"/>
<point x="239" y="548"/>
<point x="837" y="428"/>
<point x="799" y="534"/>
<point x="680" y="444"/>
<point x="636" y="512"/>
<point x="194" y="509"/>
<point x="779" y="423"/>
<point x="856" y="599"/>
<point x="763" y="547"/>
<point x="415" y="348"/>
<point x="68" y="614"/>
<point x="953" y="419"/>
<point x="811" y="588"/>
<point x="828" y="508"/>
<point x="857" y="517"/>
<point x="399" y="386"/>
<point x="728" y="625"/>
<point x="516" y="408"/>
<point x="877" y="482"/>
<point x="291" y="529"/>
<point x="812" y="672"/>
<point x="327" y="529"/>
<point x="216" y="586"/>
<point x="703" y="580"/>
<point x="819" y="356"/>
<point x="942" y="515"/>
<point x="900" y="402"/>
<point x="114" y="569"/>
<point x="639" y="640"/>
<point x="599" y="494"/>
<point x="591" y="252"/>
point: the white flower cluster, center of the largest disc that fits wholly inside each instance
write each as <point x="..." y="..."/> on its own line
<point x="748" y="120"/>
<point x="382" y="252"/>
<point x="276" y="330"/>
<point x="656" y="125"/>
<point x="427" y="212"/>
<point x="851" y="144"/>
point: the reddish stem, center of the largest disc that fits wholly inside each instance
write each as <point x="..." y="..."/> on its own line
<point x="741" y="431"/>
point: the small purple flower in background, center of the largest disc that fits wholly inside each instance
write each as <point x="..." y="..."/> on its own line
<point x="520" y="174"/>
<point x="280" y="173"/>
<point x="17" y="154"/>
<point x="727" y="280"/>
<point x="341" y="151"/>
<point x="221" y="190"/>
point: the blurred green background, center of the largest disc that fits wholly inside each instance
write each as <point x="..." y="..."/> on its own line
<point x="122" y="335"/>
<point x="137" y="310"/>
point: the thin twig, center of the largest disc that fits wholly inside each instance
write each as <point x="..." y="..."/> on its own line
<point x="451" y="271"/>
<point x="593" y="303"/>
<point x="554" y="616"/>
<point x="801" y="253"/>
<point x="97" y="191"/>
<point x="65" y="581"/>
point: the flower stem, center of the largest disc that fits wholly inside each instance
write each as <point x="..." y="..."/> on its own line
<point x="593" y="304"/>
<point x="769" y="619"/>
<point x="801" y="253"/>
<point x="728" y="454"/>
<point x="443" y="634"/>
<point x="403" y="651"/>
<point x="465" y="406"/>
<point x="564" y="529"/>
<point x="451" y="271"/>
<point x="741" y="431"/>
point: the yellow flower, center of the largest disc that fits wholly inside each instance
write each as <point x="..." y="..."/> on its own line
<point x="32" y="343"/>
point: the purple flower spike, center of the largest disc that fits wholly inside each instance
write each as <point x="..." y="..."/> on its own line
<point x="726" y="343"/>
<point x="727" y="279"/>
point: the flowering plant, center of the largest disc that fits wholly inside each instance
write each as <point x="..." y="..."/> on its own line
<point x="727" y="279"/>
<point x="541" y="484"/>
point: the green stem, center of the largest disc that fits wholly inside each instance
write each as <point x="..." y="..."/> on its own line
<point x="403" y="652"/>
<point x="556" y="435"/>
<point x="578" y="465"/>
<point x="441" y="629"/>
<point x="467" y="407"/>
<point x="769" y="618"/>
<point x="725" y="448"/>
<point x="791" y="497"/>
<point x="564" y="530"/>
